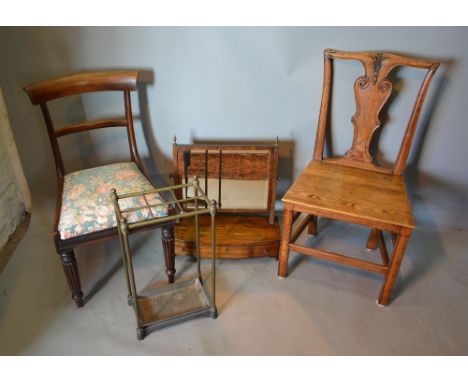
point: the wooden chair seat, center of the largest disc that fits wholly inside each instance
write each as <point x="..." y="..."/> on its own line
<point x="351" y="194"/>
<point x="86" y="199"/>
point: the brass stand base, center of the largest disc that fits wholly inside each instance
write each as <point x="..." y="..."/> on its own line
<point x="173" y="304"/>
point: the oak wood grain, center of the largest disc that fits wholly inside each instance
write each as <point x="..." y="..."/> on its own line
<point x="340" y="259"/>
<point x="352" y="191"/>
<point x="372" y="90"/>
<point x="352" y="188"/>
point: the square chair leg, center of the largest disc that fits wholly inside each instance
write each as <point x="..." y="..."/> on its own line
<point x="397" y="258"/>
<point x="372" y="241"/>
<point x="312" y="226"/>
<point x="285" y="238"/>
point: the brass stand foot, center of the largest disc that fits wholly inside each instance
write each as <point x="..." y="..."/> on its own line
<point x="141" y="333"/>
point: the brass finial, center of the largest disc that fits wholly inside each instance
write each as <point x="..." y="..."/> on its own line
<point x="277" y="141"/>
<point x="212" y="207"/>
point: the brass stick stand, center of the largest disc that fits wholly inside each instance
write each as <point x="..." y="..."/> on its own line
<point x="175" y="302"/>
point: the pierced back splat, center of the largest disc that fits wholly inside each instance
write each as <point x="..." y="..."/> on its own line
<point x="372" y="91"/>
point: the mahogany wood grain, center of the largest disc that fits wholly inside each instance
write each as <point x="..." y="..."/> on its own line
<point x="47" y="90"/>
<point x="131" y="132"/>
<point x="70" y="268"/>
<point x="236" y="237"/>
<point x="53" y="142"/>
<point x="167" y="235"/>
<point x="50" y="89"/>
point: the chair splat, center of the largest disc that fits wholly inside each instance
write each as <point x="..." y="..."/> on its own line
<point x="372" y="91"/>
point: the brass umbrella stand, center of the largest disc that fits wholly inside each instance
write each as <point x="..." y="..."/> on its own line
<point x="177" y="302"/>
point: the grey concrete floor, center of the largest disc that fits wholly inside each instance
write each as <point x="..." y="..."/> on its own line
<point x="318" y="309"/>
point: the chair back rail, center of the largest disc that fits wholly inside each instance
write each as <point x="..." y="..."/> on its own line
<point x="44" y="91"/>
<point x="80" y="83"/>
<point x="89" y="125"/>
<point x="372" y="91"/>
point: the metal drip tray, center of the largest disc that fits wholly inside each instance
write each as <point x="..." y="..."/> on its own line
<point x="173" y="303"/>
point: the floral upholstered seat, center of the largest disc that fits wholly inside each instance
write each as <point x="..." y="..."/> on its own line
<point x="87" y="205"/>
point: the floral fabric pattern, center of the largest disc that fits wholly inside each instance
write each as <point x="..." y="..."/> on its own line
<point x="87" y="205"/>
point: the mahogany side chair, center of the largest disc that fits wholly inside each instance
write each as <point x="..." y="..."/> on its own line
<point x="84" y="211"/>
<point x="352" y="188"/>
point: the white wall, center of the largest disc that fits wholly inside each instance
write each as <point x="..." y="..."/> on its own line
<point x="243" y="83"/>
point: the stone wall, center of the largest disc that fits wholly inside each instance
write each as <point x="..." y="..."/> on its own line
<point x="15" y="204"/>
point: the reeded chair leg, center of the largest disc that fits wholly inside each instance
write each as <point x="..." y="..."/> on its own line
<point x="397" y="258"/>
<point x="285" y="238"/>
<point x="167" y="237"/>
<point x="70" y="269"/>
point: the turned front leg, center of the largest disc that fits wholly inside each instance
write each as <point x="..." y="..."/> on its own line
<point x="167" y="237"/>
<point x="70" y="268"/>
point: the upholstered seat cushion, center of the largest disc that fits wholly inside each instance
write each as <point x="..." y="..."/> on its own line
<point x="86" y="201"/>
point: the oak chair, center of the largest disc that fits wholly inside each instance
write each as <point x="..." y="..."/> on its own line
<point x="84" y="212"/>
<point x="352" y="188"/>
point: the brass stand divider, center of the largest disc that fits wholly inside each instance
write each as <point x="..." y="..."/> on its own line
<point x="159" y="309"/>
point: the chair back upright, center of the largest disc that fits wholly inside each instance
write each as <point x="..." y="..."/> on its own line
<point x="372" y="90"/>
<point x="42" y="92"/>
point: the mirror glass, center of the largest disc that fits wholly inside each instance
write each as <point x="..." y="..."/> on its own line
<point x="236" y="179"/>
